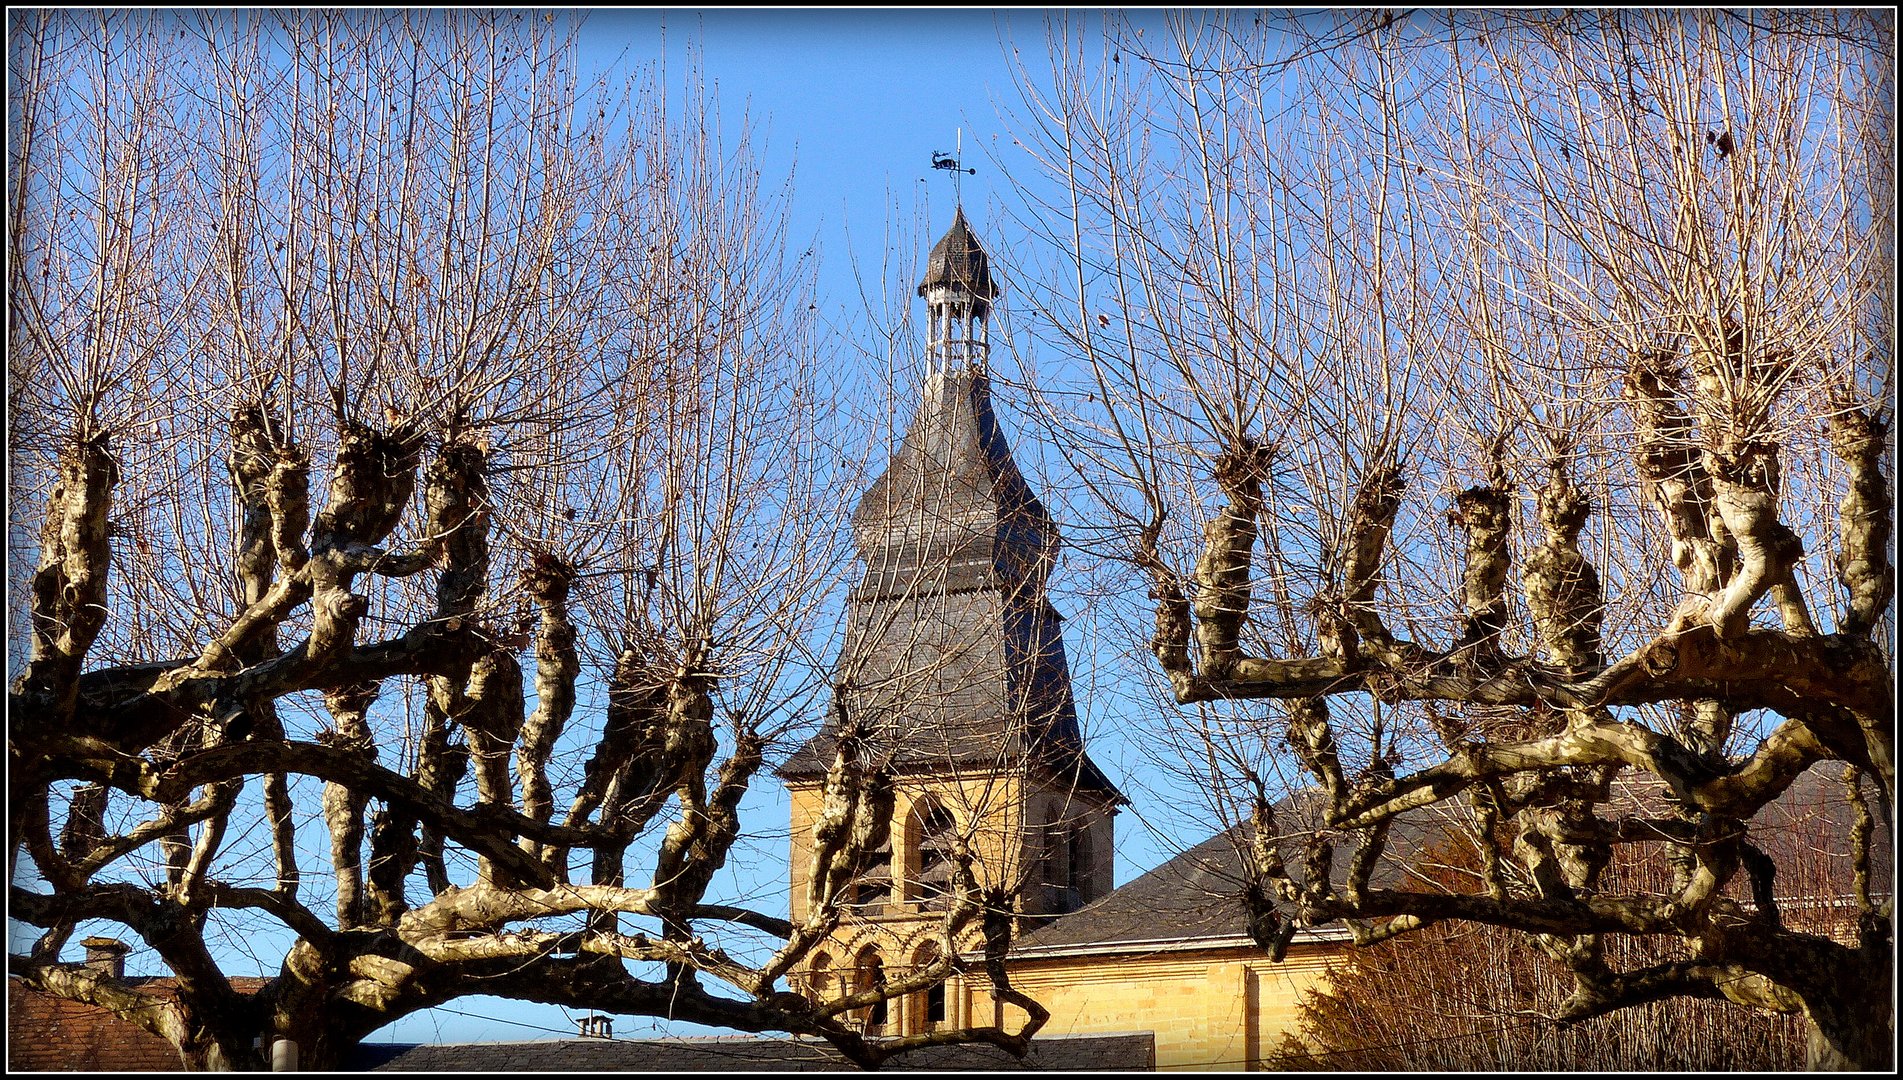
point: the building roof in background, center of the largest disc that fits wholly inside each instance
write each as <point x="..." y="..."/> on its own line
<point x="1195" y="899"/>
<point x="739" y="1053"/>
<point x="51" y="1033"/>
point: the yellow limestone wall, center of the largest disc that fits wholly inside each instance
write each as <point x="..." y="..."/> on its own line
<point x="992" y="805"/>
<point x="993" y="800"/>
<point x="1216" y="1009"/>
<point x="1223" y="1008"/>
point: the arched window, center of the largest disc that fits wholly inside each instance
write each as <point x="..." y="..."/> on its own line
<point x="933" y="834"/>
<point x="1077" y="857"/>
<point x="926" y="1009"/>
<point x="1067" y="857"/>
<point x="935" y="1007"/>
<point x="819" y="978"/>
<point x="871" y="888"/>
<point x="870" y="976"/>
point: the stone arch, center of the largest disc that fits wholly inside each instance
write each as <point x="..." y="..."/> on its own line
<point x="821" y="981"/>
<point x="871" y="887"/>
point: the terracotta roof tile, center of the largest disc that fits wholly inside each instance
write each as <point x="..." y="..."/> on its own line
<point x="46" y="1032"/>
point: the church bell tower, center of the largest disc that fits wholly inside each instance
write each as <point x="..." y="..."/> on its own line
<point x="953" y="666"/>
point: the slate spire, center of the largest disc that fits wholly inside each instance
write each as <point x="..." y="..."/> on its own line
<point x="954" y="657"/>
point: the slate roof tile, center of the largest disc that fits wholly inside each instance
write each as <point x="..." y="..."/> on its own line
<point x="745" y="1053"/>
<point x="951" y="648"/>
<point x="1196" y="896"/>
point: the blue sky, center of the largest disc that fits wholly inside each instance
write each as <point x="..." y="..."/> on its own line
<point x="854" y="102"/>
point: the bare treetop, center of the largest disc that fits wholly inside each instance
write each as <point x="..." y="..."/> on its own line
<point x="1501" y="401"/>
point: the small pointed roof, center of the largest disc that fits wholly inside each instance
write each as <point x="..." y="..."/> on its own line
<point x="958" y="261"/>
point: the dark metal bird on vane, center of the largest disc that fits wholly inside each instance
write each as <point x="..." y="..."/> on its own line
<point x="947" y="161"/>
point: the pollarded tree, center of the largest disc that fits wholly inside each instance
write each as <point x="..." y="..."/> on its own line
<point x="433" y="482"/>
<point x="1464" y="996"/>
<point x="1499" y="396"/>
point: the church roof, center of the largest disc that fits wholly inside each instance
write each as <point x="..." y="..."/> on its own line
<point x="1197" y="896"/>
<point x="953" y="657"/>
<point x="958" y="261"/>
<point x="951" y="511"/>
<point x="947" y="740"/>
<point x="1195" y="899"/>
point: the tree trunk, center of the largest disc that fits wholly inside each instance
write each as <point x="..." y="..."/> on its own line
<point x="1853" y="1032"/>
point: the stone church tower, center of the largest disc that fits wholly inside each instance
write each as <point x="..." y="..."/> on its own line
<point x="954" y="663"/>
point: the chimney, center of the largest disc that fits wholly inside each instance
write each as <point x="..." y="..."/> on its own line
<point x="597" y="1027"/>
<point x="106" y="956"/>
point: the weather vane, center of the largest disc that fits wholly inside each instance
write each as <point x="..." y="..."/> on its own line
<point x="950" y="163"/>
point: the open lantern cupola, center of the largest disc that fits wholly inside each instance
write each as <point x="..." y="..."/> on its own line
<point x="958" y="289"/>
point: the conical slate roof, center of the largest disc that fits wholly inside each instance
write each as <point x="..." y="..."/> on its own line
<point x="953" y="655"/>
<point x="954" y="658"/>
<point x="957" y="261"/>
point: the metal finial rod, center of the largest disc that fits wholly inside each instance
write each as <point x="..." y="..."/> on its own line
<point x="954" y="164"/>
